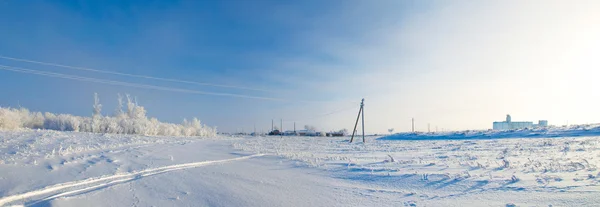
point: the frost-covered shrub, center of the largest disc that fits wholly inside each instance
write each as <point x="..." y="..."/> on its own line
<point x="62" y="122"/>
<point x="134" y="121"/>
<point x="10" y="119"/>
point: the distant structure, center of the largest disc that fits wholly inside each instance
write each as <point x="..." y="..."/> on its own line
<point x="509" y="124"/>
<point x="305" y="132"/>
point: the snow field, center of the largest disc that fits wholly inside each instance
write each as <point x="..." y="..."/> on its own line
<point x="43" y="167"/>
<point x="434" y="170"/>
<point x="103" y="181"/>
<point x="132" y="170"/>
<point x="29" y="147"/>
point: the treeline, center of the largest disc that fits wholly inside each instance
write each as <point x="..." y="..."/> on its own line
<point x="131" y="121"/>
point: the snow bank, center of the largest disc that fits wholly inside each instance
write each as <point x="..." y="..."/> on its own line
<point x="572" y="131"/>
<point x="134" y="121"/>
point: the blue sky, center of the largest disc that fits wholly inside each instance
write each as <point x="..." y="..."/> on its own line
<point x="454" y="64"/>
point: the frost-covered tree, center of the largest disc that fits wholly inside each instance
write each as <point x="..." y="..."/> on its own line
<point x="130" y="107"/>
<point x="119" y="109"/>
<point x="196" y="123"/>
<point x="132" y="122"/>
<point x="96" y="118"/>
<point x="97" y="105"/>
<point x="139" y="112"/>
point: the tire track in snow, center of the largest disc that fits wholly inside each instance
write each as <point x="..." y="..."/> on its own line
<point x="106" y="181"/>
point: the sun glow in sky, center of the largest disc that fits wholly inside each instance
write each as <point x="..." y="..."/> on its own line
<point x="454" y="64"/>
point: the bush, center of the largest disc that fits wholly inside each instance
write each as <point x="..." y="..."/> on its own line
<point x="134" y="121"/>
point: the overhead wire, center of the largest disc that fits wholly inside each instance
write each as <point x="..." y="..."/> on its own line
<point x="322" y="115"/>
<point x="162" y="88"/>
<point x="128" y="84"/>
<point x="130" y="75"/>
<point x="145" y="86"/>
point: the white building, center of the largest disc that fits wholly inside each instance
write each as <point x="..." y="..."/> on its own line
<point x="509" y="124"/>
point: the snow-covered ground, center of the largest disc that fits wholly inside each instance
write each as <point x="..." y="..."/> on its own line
<point x="473" y="172"/>
<point x="47" y="168"/>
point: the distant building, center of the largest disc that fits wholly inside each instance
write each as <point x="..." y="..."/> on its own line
<point x="509" y="124"/>
<point x="306" y="132"/>
<point x="290" y="133"/>
<point x="335" y="134"/>
<point x="275" y="132"/>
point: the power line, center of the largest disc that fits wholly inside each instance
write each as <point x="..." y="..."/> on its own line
<point x="131" y="75"/>
<point x="135" y="85"/>
<point x="322" y="115"/>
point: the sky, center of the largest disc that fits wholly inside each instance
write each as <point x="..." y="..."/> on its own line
<point x="454" y="65"/>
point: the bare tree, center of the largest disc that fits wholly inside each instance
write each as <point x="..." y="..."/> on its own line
<point x="343" y="131"/>
<point x="310" y="128"/>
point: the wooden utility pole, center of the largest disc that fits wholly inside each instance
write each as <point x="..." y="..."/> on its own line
<point x="272" y="125"/>
<point x="428" y="128"/>
<point x="362" y="106"/>
<point x="361" y="112"/>
<point x="281" y="129"/>
<point x="413" y="124"/>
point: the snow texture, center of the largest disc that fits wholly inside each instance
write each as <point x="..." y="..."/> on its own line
<point x="455" y="169"/>
<point x="53" y="168"/>
<point x="543" y="132"/>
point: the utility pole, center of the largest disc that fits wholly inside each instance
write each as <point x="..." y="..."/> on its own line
<point x="255" y="129"/>
<point x="272" y="126"/>
<point x="413" y="124"/>
<point x="294" y="128"/>
<point x="362" y="106"/>
<point x="361" y="112"/>
<point x="428" y="128"/>
<point x="281" y="132"/>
